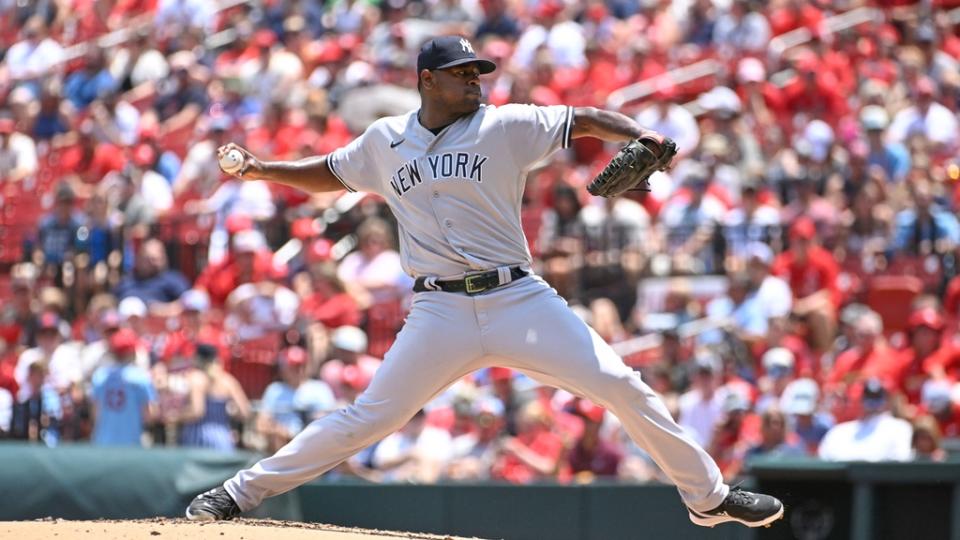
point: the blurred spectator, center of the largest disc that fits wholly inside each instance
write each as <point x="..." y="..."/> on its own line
<point x="99" y="236"/>
<point x="259" y="308"/>
<point x="870" y="357"/>
<point x="671" y="120"/>
<point x="138" y="213"/>
<point x="183" y="14"/>
<point x="751" y="222"/>
<point x="866" y="226"/>
<point x="605" y="320"/>
<point x="38" y="411"/>
<point x="925" y="354"/>
<point x="691" y="223"/>
<point x="134" y="314"/>
<point x="90" y="82"/>
<point x="741" y="311"/>
<point x="35" y="55"/>
<point x="18" y="153"/>
<point x="534" y="453"/>
<point x="701" y="407"/>
<point x="497" y="21"/>
<point x="249" y="261"/>
<point x="800" y="402"/>
<point x="152" y="280"/>
<point x="349" y="369"/>
<point x="154" y="187"/>
<point x="924" y="227"/>
<point x="139" y="62"/>
<point x="809" y="177"/>
<point x="936" y="400"/>
<point x="925" y="444"/>
<point x="115" y="120"/>
<point x="700" y="23"/>
<point x="552" y="33"/>
<point x="215" y="397"/>
<point x="59" y="359"/>
<point x="417" y="453"/>
<point x="777" y="441"/>
<point x="199" y="172"/>
<point x="181" y="96"/>
<point x="778" y="366"/>
<point x="770" y="291"/>
<point x="875" y="436"/>
<point x="328" y="303"/>
<point x="475" y="451"/>
<point x="233" y="197"/>
<point x="592" y="455"/>
<point x="122" y="394"/>
<point x="57" y="232"/>
<point x="53" y="116"/>
<point x="194" y="327"/>
<point x="928" y="119"/>
<point x="811" y="272"/>
<point x="374" y="272"/>
<point x="97" y="351"/>
<point x="892" y="157"/>
<point x="735" y="432"/>
<point x="611" y="234"/>
<point x="18" y="315"/>
<point x="293" y="401"/>
<point x="6" y="412"/>
<point x="813" y="90"/>
<point x="742" y="29"/>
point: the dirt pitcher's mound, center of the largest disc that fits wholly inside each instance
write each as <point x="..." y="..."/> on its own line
<point x="181" y="529"/>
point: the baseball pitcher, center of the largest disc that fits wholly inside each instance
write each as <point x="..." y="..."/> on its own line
<point x="453" y="173"/>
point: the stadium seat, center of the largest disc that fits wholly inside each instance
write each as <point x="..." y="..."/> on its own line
<point x="890" y="296"/>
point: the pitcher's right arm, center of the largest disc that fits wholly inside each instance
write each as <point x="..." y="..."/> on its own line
<point x="311" y="174"/>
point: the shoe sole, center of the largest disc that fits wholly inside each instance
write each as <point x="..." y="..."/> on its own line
<point x="200" y="516"/>
<point x="712" y="521"/>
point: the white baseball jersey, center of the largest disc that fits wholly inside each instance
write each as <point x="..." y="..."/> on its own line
<point x="456" y="195"/>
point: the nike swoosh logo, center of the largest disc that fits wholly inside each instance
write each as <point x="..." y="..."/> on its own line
<point x="397" y="143"/>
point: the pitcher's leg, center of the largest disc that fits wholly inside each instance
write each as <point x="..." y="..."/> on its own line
<point x="438" y="345"/>
<point x="541" y="336"/>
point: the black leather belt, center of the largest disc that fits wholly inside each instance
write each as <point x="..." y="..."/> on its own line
<point x="471" y="284"/>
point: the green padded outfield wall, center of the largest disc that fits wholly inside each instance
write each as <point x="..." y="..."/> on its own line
<point x="825" y="501"/>
<point x="85" y="482"/>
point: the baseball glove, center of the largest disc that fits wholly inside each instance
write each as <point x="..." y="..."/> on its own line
<point x="631" y="168"/>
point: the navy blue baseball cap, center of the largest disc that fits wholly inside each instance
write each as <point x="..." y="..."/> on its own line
<point x="448" y="51"/>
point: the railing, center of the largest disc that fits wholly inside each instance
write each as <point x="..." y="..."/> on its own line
<point x="122" y="35"/>
<point x="777" y="47"/>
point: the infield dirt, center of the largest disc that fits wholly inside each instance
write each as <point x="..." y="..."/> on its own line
<point x="182" y="529"/>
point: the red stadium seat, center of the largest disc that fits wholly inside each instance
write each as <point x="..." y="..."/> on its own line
<point x="890" y="296"/>
<point x="929" y="269"/>
<point x="254" y="362"/>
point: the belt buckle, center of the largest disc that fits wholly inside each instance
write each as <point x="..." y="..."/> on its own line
<point x="471" y="288"/>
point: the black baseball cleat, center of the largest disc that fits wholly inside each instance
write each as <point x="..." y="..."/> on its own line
<point x="213" y="505"/>
<point x="750" y="509"/>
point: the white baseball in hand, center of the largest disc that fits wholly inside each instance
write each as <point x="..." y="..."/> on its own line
<point x="232" y="161"/>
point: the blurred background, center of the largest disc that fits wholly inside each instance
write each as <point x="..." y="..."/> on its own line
<point x="790" y="287"/>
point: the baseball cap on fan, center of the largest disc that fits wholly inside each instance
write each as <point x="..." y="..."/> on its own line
<point x="449" y="51"/>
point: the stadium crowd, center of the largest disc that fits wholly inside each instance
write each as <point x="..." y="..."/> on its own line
<point x="789" y="286"/>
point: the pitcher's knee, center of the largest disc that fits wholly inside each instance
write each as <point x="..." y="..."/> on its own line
<point x="366" y="423"/>
<point x="626" y="389"/>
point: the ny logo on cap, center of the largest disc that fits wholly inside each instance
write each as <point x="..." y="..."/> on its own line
<point x="465" y="45"/>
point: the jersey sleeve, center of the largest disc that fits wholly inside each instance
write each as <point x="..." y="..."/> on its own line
<point x="354" y="164"/>
<point x="533" y="132"/>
